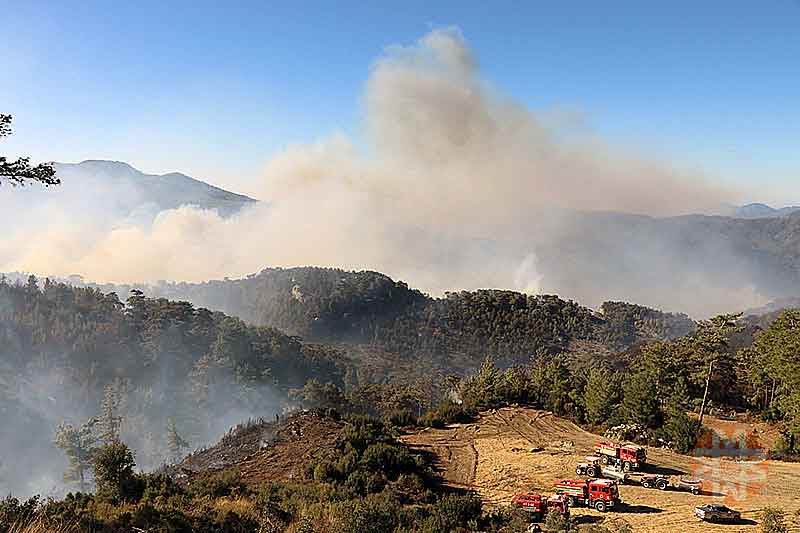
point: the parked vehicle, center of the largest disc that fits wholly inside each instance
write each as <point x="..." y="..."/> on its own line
<point x="654" y="481"/>
<point x="601" y="494"/>
<point x="716" y="512"/>
<point x="695" y="486"/>
<point x="538" y="505"/>
<point x="660" y="482"/>
<point x="612" y="472"/>
<point x="591" y="468"/>
<point x="626" y="456"/>
<point x="595" y="469"/>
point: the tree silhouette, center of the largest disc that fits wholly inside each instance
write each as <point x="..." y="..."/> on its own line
<point x="21" y="171"/>
<point x="113" y="472"/>
<point x="79" y="446"/>
<point x="175" y="443"/>
<point x="109" y="422"/>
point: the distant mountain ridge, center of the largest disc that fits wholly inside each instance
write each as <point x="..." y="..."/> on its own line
<point x="158" y="192"/>
<point x="758" y="210"/>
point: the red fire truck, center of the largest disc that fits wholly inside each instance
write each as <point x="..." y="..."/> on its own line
<point x="539" y="505"/>
<point x="601" y="494"/>
<point x="625" y="456"/>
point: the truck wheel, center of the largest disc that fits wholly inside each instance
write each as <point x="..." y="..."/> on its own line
<point x="626" y="466"/>
<point x="646" y="484"/>
<point x="591" y="471"/>
<point x="695" y="492"/>
<point x="600" y="506"/>
<point x="604" y="460"/>
<point x="661" y="484"/>
<point x="571" y="501"/>
<point x="578" y="470"/>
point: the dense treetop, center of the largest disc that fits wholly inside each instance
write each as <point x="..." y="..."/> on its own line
<point x="337" y="306"/>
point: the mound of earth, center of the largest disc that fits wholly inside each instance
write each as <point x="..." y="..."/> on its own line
<point x="263" y="451"/>
<point x="517" y="449"/>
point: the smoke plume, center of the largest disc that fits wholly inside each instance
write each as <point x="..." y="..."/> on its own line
<point x="452" y="186"/>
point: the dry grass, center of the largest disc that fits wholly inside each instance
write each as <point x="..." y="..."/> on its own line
<point x="493" y="457"/>
<point x="37" y="526"/>
<point x="241" y="506"/>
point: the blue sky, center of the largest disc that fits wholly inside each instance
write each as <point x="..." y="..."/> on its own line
<point x="213" y="89"/>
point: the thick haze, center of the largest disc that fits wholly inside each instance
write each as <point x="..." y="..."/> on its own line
<point x="37" y="394"/>
<point x="453" y="187"/>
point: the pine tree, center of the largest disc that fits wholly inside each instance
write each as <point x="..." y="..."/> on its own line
<point x="773" y="366"/>
<point x="79" y="446"/>
<point x="681" y="430"/>
<point x="710" y="344"/>
<point x="555" y="388"/>
<point x="109" y="422"/>
<point x="601" y="395"/>
<point x="640" y="405"/>
<point x="175" y="443"/>
<point x="32" y="286"/>
<point x="481" y="390"/>
<point x="20" y="171"/>
<point x="113" y="471"/>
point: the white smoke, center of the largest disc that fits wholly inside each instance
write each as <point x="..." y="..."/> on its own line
<point x="456" y="187"/>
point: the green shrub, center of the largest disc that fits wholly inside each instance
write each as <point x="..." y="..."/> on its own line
<point x="371" y="515"/>
<point x="218" y="485"/>
<point x="73" y="509"/>
<point x="12" y="511"/>
<point x="773" y="521"/>
<point x="681" y="431"/>
<point x="452" y="511"/>
<point x="113" y="474"/>
<point x="347" y="464"/>
<point x="159" y="487"/>
<point x="557" y="522"/>
<point x="400" y="418"/>
<point x="452" y="413"/>
<point x="360" y="431"/>
<point x="786" y="447"/>
<point x="363" y="482"/>
<point x="324" y="472"/>
<point x="389" y="459"/>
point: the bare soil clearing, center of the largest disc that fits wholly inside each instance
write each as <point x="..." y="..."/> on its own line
<point x="515" y="449"/>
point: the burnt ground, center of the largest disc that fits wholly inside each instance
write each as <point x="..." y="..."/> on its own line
<point x="263" y="451"/>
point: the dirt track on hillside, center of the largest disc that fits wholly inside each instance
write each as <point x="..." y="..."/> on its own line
<point x="516" y="449"/>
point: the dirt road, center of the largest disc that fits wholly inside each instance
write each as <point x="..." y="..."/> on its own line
<point x="516" y="449"/>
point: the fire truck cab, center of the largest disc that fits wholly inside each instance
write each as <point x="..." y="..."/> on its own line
<point x="626" y="456"/>
<point x="601" y="494"/>
<point x="538" y="505"/>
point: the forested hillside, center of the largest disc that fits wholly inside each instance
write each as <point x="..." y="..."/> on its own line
<point x="69" y="354"/>
<point x="86" y="375"/>
<point x="337" y="306"/>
